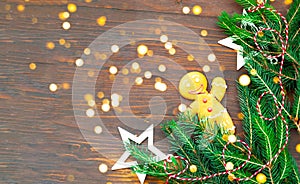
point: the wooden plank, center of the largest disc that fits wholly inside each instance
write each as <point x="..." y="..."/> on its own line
<point x="40" y="141"/>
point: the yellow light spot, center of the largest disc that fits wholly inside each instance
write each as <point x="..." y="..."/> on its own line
<point x="148" y="75"/>
<point x="190" y="57"/>
<point x="261" y="178"/>
<point x="298" y="148"/>
<point x="79" y="62"/>
<point x="162" y="68"/>
<point x="168" y="45"/>
<point x="103" y="168"/>
<point x="244" y="80"/>
<point x="88" y="1"/>
<point x="113" y="70"/>
<point x="61" y="41"/>
<point x="63" y="15"/>
<point x="21" y="8"/>
<point x="91" y="73"/>
<point x="66" y="25"/>
<point x="7" y="7"/>
<point x="115" y="48"/>
<point x="135" y="66"/>
<point x="206" y="68"/>
<point x="231" y="177"/>
<point x="182" y="108"/>
<point x="101" y="21"/>
<point x="160" y="86"/>
<point x="88" y="97"/>
<point x="253" y="72"/>
<point x="87" y="51"/>
<point x="186" y="10"/>
<point x="193" y="168"/>
<point x="139" y="81"/>
<point x="53" y="87"/>
<point x="260" y="1"/>
<point x="91" y="103"/>
<point x="98" y="129"/>
<point x="197" y="10"/>
<point x="105" y="107"/>
<point x="260" y="34"/>
<point x="90" y="113"/>
<point x="100" y="95"/>
<point x="232" y="138"/>
<point x="211" y="57"/>
<point x="240" y="116"/>
<point x="276" y="80"/>
<point x="172" y="51"/>
<point x="66" y="85"/>
<point x="112" y="77"/>
<point x="32" y="66"/>
<point x="103" y="56"/>
<point x="164" y="38"/>
<point x="125" y="71"/>
<point x="225" y="137"/>
<point x="70" y="178"/>
<point x="150" y="53"/>
<point x="288" y="2"/>
<point x="72" y="7"/>
<point x="34" y="20"/>
<point x="142" y="49"/>
<point x="105" y="101"/>
<point x="204" y="33"/>
<point x="157" y="79"/>
<point x="50" y="45"/>
<point x="229" y="166"/>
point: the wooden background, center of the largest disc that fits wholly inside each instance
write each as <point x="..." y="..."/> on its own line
<point x="40" y="141"/>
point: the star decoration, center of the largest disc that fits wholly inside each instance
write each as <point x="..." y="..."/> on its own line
<point x="228" y="42"/>
<point x="126" y="136"/>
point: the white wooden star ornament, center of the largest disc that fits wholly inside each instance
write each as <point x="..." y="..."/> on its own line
<point x="126" y="136"/>
<point x="228" y="42"/>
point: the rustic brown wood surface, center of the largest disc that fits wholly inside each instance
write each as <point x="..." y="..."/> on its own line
<point x="40" y="141"/>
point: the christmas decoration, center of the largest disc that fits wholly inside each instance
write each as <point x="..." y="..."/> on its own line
<point x="126" y="137"/>
<point x="270" y="43"/>
<point x="193" y="86"/>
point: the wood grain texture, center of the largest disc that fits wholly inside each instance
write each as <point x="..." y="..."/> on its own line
<point x="40" y="141"/>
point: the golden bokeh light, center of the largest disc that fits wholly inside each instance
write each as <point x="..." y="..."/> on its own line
<point x="164" y="38"/>
<point x="298" y="148"/>
<point x="190" y="57"/>
<point x="172" y="51"/>
<point x="113" y="70"/>
<point x="50" y="45"/>
<point x="162" y="68"/>
<point x="66" y="25"/>
<point x="206" y="68"/>
<point x="98" y="129"/>
<point x="63" y="15"/>
<point x="66" y="85"/>
<point x="160" y="86"/>
<point x="139" y="81"/>
<point x="186" y="10"/>
<point x="204" y="33"/>
<point x="90" y="113"/>
<point x="105" y="107"/>
<point x="87" y="51"/>
<point x="135" y="66"/>
<point x="103" y="168"/>
<point x="34" y="20"/>
<point x="197" y="10"/>
<point x="142" y="49"/>
<point x="21" y="8"/>
<point x="244" y="80"/>
<point x="100" y="95"/>
<point x="101" y="21"/>
<point x="288" y="2"/>
<point x="229" y="166"/>
<point x="79" y="62"/>
<point x="53" y="87"/>
<point x="148" y="75"/>
<point x="211" y="57"/>
<point x="61" y="41"/>
<point x="125" y="71"/>
<point x="168" y="45"/>
<point x="32" y="66"/>
<point x="72" y="8"/>
<point x="232" y="138"/>
<point x="115" y="48"/>
<point x="182" y="108"/>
